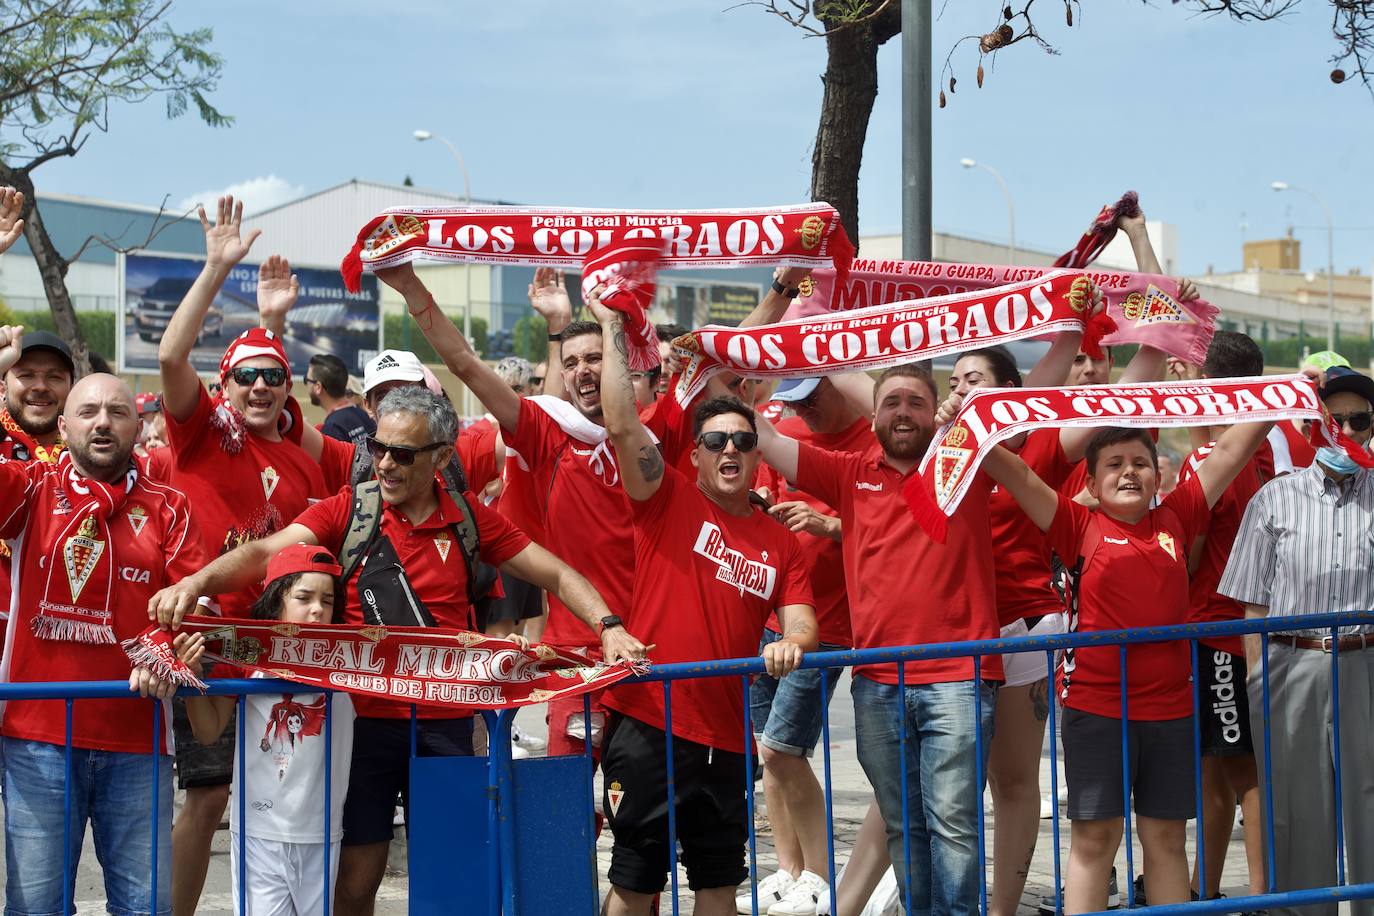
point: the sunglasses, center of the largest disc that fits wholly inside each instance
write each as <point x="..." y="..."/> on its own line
<point x="715" y="441"/>
<point x="1359" y="422"/>
<point x="404" y="455"/>
<point x="274" y="377"/>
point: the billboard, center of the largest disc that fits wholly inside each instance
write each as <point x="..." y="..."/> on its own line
<point x="325" y="319"/>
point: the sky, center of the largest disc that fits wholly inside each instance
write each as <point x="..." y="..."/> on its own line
<point x="675" y="104"/>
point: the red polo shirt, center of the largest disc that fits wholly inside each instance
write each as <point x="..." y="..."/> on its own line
<point x="1022" y="558"/>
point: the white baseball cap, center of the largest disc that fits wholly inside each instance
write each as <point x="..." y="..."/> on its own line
<point x="392" y="366"/>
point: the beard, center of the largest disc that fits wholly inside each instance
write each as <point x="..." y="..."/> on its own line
<point x="34" y="430"/>
<point x="907" y="450"/>
<point x="100" y="465"/>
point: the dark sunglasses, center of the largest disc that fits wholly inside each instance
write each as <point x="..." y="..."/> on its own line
<point x="1359" y="422"/>
<point x="404" y="455"/>
<point x="275" y="376"/>
<point x="715" y="441"/>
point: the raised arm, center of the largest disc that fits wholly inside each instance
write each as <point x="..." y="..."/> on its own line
<point x="1032" y="494"/>
<point x="223" y="249"/>
<point x="232" y="572"/>
<point x="549" y="298"/>
<point x="1233" y="449"/>
<point x="778" y="450"/>
<point x="453" y="348"/>
<point x="774" y="304"/>
<point x="11" y="226"/>
<point x="278" y="289"/>
<point x="641" y="464"/>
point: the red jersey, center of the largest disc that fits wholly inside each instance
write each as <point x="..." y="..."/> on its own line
<point x="242" y="495"/>
<point x="432" y="561"/>
<point x="1204" y="604"/>
<point x="12" y="449"/>
<point x="153" y="543"/>
<point x="705" y="583"/>
<point x="824" y="557"/>
<point x="1137" y="576"/>
<point x="593" y="527"/>
<point x="904" y="588"/>
<point x="1021" y="557"/>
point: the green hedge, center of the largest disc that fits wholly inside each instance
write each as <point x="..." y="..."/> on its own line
<point x="97" y="327"/>
<point x="400" y="333"/>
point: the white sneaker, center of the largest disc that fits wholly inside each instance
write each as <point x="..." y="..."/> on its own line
<point x="804" y="897"/>
<point x="771" y="890"/>
<point x="528" y="742"/>
<point x="1046" y="808"/>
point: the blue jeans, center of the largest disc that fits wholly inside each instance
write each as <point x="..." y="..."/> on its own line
<point x="114" y="791"/>
<point x="944" y="791"/>
<point x="786" y="714"/>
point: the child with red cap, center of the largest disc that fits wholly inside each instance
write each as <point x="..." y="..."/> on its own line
<point x="284" y="753"/>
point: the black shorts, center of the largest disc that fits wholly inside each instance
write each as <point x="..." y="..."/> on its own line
<point x="521" y="602"/>
<point x="1225" y="705"/>
<point x="381" y="770"/>
<point x="199" y="765"/>
<point x="1161" y="755"/>
<point x="712" y="813"/>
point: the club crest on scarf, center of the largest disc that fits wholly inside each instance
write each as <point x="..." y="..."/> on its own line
<point x="950" y="461"/>
<point x="81" y="553"/>
<point x="390" y="235"/>
<point x="1152" y="307"/>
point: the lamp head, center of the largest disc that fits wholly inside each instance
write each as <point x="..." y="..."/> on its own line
<point x="422" y="135"/>
<point x="1279" y="186"/>
<point x="967" y="163"/>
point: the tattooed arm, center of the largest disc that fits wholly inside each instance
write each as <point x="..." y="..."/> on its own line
<point x="641" y="465"/>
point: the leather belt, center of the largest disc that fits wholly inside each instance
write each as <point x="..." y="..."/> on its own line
<point x="1324" y="644"/>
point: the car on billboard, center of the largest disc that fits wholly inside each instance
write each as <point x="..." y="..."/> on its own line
<point x="153" y="307"/>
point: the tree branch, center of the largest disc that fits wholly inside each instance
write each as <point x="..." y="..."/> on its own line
<point x="113" y="243"/>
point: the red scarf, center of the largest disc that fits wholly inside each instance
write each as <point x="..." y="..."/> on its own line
<point x="80" y="563"/>
<point x="424" y="665"/>
<point x="990" y="415"/>
<point x="33" y="451"/>
<point x="886" y="335"/>
<point x="228" y="419"/>
<point x="1100" y="233"/>
<point x="628" y="267"/>
<point x="809" y="235"/>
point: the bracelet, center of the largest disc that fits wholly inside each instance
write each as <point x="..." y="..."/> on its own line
<point x="784" y="291"/>
<point x="556" y="338"/>
<point x="427" y="325"/>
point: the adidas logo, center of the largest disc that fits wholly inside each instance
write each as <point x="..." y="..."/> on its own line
<point x="387" y="362"/>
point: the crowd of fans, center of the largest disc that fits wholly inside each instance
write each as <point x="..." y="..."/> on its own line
<point x="610" y="521"/>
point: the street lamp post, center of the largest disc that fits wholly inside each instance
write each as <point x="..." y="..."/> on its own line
<point x="1330" y="263"/>
<point x="421" y="136"/>
<point x="1011" y="209"/>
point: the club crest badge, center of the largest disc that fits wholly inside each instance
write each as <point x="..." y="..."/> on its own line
<point x="443" y="543"/>
<point x="390" y="235"/>
<point x="615" y="795"/>
<point x="806" y="287"/>
<point x="951" y="459"/>
<point x="812" y="228"/>
<point x="138" y="517"/>
<point x="1166" y="540"/>
<point x="81" y="553"/>
<point x="270" y="479"/>
<point x="376" y="634"/>
<point x="1154" y="306"/>
<point x="1080" y="294"/>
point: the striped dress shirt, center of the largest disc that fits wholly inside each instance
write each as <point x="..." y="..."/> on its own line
<point x="1306" y="546"/>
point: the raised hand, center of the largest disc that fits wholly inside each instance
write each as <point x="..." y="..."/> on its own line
<point x="1187" y="290"/>
<point x="11" y="226"/>
<point x="549" y="297"/>
<point x="1131" y="224"/>
<point x="277" y="290"/>
<point x="11" y="346"/>
<point x="224" y="246"/>
<point x="601" y="313"/>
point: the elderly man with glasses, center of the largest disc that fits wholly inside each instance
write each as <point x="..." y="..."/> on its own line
<point x="1305" y="546"/>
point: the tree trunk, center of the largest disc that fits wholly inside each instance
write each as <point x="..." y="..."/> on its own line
<point x="52" y="267"/>
<point x="851" y="87"/>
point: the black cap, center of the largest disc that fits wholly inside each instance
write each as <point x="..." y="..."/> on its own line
<point x="1339" y="378"/>
<point x="42" y="340"/>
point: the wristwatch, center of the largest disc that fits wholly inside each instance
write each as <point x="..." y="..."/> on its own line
<point x="611" y="620"/>
<point x="787" y="292"/>
<point x="556" y="338"/>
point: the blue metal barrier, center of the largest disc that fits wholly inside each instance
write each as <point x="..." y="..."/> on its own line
<point x="504" y="863"/>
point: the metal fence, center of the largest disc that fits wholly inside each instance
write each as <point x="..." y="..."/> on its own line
<point x="505" y="862"/>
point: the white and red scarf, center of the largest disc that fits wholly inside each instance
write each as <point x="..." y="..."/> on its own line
<point x="1144" y="307"/>
<point x="628" y="268"/>
<point x="991" y="415"/>
<point x="76" y="605"/>
<point x="808" y="235"/>
<point x="424" y="665"/>
<point x="1100" y="233"/>
<point x="887" y="335"/>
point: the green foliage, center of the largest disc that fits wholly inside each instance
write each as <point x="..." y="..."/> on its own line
<point x="97" y="327"/>
<point x="401" y="334"/>
<point x="531" y="336"/>
<point x="65" y="61"/>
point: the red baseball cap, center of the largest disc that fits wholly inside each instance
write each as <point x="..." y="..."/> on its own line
<point x="301" y="558"/>
<point x="254" y="342"/>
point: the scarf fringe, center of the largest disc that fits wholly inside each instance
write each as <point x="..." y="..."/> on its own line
<point x="141" y="656"/>
<point x="66" y="630"/>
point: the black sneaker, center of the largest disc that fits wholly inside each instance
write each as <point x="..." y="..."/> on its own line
<point x="1139" y="899"/>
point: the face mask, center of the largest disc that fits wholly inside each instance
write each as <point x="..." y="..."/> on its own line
<point x="1337" y="460"/>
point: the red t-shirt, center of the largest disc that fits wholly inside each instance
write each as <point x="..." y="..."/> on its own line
<point x="1021" y="557"/>
<point x="824" y="557"/>
<point x="904" y="588"/>
<point x="1204" y="604"/>
<point x="240" y="496"/>
<point x="432" y="561"/>
<point x="591" y="526"/>
<point x="154" y="542"/>
<point x="705" y="583"/>
<point x="1137" y="577"/>
<point x="476" y="448"/>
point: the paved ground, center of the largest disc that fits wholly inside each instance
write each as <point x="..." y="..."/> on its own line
<point x="851" y="797"/>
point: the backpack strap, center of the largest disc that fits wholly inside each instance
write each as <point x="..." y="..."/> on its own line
<point x="363" y="526"/>
<point x="360" y="469"/>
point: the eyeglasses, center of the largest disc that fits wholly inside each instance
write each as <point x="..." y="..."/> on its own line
<point x="274" y="376"/>
<point x="404" y="455"/>
<point x="715" y="441"/>
<point x="1359" y="422"/>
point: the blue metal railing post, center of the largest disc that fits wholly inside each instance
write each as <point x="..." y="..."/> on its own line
<point x="1197" y="772"/>
<point x="749" y="799"/>
<point x="328" y="787"/>
<point x="829" y="798"/>
<point x="494" y="786"/>
<point x="1268" y="769"/>
<point x="978" y="783"/>
<point x="1054" y="782"/>
<point x="499" y="755"/>
<point x="1336" y="749"/>
<point x="241" y="801"/>
<point x="157" y="801"/>
<point x="906" y="804"/>
<point x="589" y="756"/>
<point x="672" y="788"/>
<point x="1126" y="783"/>
<point x="67" y="813"/>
